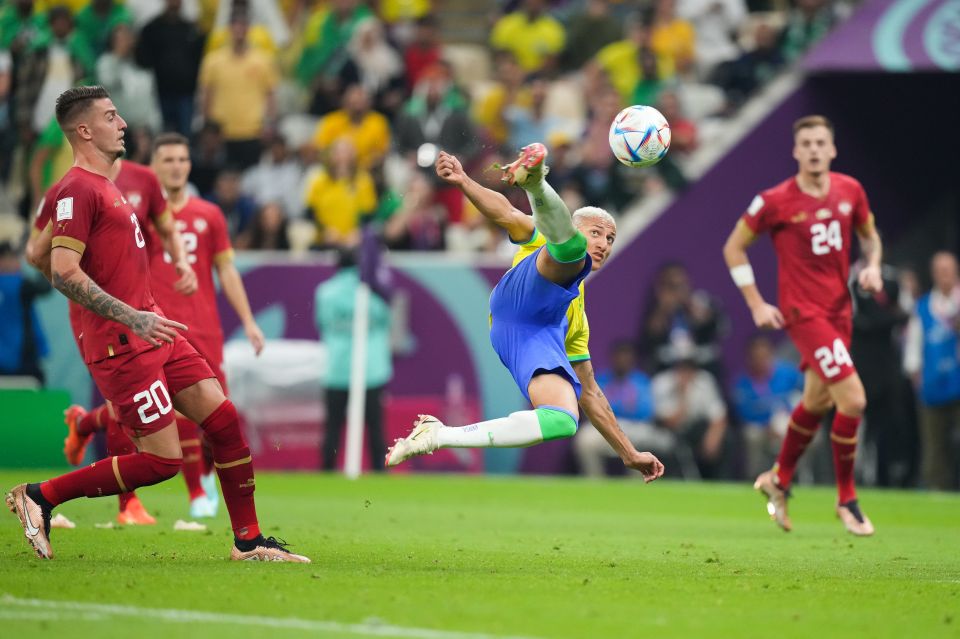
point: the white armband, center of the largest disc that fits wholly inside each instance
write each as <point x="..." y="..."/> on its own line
<point x="742" y="275"/>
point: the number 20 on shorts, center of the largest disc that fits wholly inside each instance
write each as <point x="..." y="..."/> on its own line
<point x="832" y="360"/>
<point x="156" y="397"/>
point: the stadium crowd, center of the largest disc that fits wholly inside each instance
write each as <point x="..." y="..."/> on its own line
<point x="308" y="117"/>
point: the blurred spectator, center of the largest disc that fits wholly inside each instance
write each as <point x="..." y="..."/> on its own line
<point x="420" y="223"/>
<point x="753" y="69"/>
<point x="376" y="66"/>
<point x="393" y="11"/>
<point x="51" y="158"/>
<point x="877" y="323"/>
<point x="171" y="46"/>
<point x="715" y="22"/>
<point x="209" y="157"/>
<point x="238" y="208"/>
<point x="650" y="83"/>
<point x="339" y="196"/>
<point x="55" y="61"/>
<point x="20" y="24"/>
<point x="763" y="398"/>
<point x="321" y="61"/>
<point x="7" y="137"/>
<point x="932" y="357"/>
<point x="621" y="64"/>
<point x="96" y="21"/>
<point x="672" y="37"/>
<point x="276" y="178"/>
<point x="335" y="306"/>
<point x="131" y="87"/>
<point x="436" y="113"/>
<point x="263" y="13"/>
<point x="529" y="124"/>
<point x="532" y="35"/>
<point x="267" y="231"/>
<point x="683" y="130"/>
<point x="144" y="11"/>
<point x="807" y="23"/>
<point x="368" y="131"/>
<point x="509" y="91"/>
<point x="628" y="390"/>
<point x="22" y="341"/>
<point x="687" y="401"/>
<point x="139" y="145"/>
<point x="680" y="321"/>
<point x="423" y="51"/>
<point x="237" y="88"/>
<point x="589" y="32"/>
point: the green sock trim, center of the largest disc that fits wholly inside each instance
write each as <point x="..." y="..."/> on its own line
<point x="555" y="424"/>
<point x="573" y="250"/>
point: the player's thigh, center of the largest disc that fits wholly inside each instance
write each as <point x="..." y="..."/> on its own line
<point x="162" y="443"/>
<point x="550" y="389"/>
<point x="196" y="391"/>
<point x="849" y="395"/>
<point x="816" y="393"/>
<point x="558" y="272"/>
<point x="199" y="400"/>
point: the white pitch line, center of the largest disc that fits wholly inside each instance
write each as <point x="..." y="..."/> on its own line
<point x="173" y="615"/>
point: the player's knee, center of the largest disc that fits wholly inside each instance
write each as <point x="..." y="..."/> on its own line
<point x="852" y="404"/>
<point x="162" y="468"/>
<point x="556" y="423"/>
<point x="222" y="425"/>
<point x="573" y="250"/>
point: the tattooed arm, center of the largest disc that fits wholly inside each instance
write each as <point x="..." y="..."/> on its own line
<point x="69" y="279"/>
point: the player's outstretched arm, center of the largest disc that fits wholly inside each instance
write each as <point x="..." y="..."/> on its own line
<point x="494" y="206"/>
<point x="236" y="294"/>
<point x="173" y="245"/>
<point x="735" y="253"/>
<point x="597" y="409"/>
<point x="70" y="279"/>
<point x="871" y="249"/>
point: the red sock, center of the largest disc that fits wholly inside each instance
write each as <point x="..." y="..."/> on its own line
<point x="118" y="443"/>
<point x="234" y="467"/>
<point x="207" y="453"/>
<point x="843" y="439"/>
<point x="110" y="476"/>
<point x="92" y="420"/>
<point x="192" y="458"/>
<point x="803" y="427"/>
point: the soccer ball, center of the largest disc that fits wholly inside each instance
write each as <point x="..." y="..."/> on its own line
<point x="639" y="136"/>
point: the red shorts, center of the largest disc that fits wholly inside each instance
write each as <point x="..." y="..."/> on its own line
<point x="212" y="351"/>
<point x="824" y="345"/>
<point x="141" y="385"/>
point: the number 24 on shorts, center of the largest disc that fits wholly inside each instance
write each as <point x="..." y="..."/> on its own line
<point x="832" y="360"/>
<point x="156" y="396"/>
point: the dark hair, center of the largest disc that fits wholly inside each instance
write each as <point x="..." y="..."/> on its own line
<point x="59" y="12"/>
<point x="167" y="139"/>
<point x="427" y="20"/>
<point x="77" y="100"/>
<point x="346" y="257"/>
<point x="810" y="121"/>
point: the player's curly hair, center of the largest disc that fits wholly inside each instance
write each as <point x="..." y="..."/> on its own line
<point x="76" y="100"/>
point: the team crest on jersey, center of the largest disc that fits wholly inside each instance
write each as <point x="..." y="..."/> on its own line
<point x="755" y="206"/>
<point x="799" y="217"/>
<point x="824" y="214"/>
<point x="200" y="225"/>
<point x="845" y="208"/>
<point x="65" y="209"/>
<point x="117" y="204"/>
<point x="135" y="199"/>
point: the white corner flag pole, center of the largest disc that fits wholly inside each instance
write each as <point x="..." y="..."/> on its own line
<point x="358" y="378"/>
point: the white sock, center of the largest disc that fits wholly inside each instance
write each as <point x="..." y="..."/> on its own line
<point x="518" y="429"/>
<point x="550" y="215"/>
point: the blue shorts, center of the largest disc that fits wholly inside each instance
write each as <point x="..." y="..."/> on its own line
<point x="529" y="322"/>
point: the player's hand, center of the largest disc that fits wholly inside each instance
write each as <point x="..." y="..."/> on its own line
<point x="187" y="283"/>
<point x="870" y="279"/>
<point x="155" y="328"/>
<point x="649" y="466"/>
<point x="255" y="335"/>
<point x="449" y="169"/>
<point x="767" y="316"/>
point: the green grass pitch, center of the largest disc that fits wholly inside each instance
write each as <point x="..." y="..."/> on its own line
<point x="443" y="557"/>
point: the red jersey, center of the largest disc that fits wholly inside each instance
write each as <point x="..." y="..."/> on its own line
<point x="139" y="186"/>
<point x="812" y="238"/>
<point x="206" y="242"/>
<point x="92" y="217"/>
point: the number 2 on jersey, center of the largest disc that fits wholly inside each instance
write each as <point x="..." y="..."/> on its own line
<point x="190" y="243"/>
<point x="826" y="237"/>
<point x="137" y="233"/>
